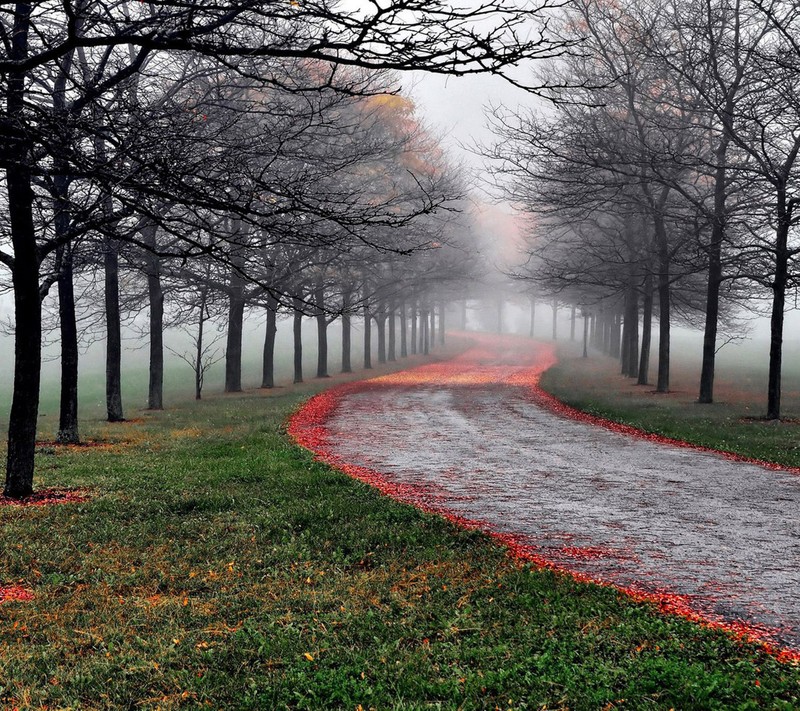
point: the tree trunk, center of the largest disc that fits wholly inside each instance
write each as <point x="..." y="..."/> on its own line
<point x="68" y="410"/>
<point x="322" y="330"/>
<point x="28" y="329"/>
<point x="380" y="322"/>
<point x="425" y="326"/>
<point x="714" y="275"/>
<point x="779" y="284"/>
<point x="155" y="400"/>
<point x="414" y="327"/>
<point x="630" y="334"/>
<point x="585" y="335"/>
<point x="297" y="337"/>
<point x="25" y="278"/>
<point x="391" y="355"/>
<point x="199" y="366"/>
<point x="572" y="323"/>
<point x="346" y="332"/>
<point x="432" y="337"/>
<point x="403" y="328"/>
<point x="441" y="323"/>
<point x="113" y="333"/>
<point x="624" y="359"/>
<point x="633" y="344"/>
<point x="233" y="350"/>
<point x="606" y="323"/>
<point x="268" y="362"/>
<point x="647" y="329"/>
<point x="616" y="332"/>
<point x="367" y="337"/>
<point x="662" y="385"/>
<point x="112" y="311"/>
<point x="27" y="347"/>
<point x="62" y="217"/>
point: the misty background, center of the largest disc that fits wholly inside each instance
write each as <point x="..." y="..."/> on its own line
<point x="454" y="110"/>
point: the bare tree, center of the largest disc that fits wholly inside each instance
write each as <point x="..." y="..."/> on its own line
<point x="119" y="38"/>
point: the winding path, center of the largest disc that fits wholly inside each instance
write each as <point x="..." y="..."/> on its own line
<point x="475" y="439"/>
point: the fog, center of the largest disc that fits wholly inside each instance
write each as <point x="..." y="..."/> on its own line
<point x="746" y="354"/>
<point x="178" y="376"/>
<point x="453" y="108"/>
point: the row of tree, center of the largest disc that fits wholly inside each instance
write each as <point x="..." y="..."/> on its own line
<point x="252" y="152"/>
<point x="663" y="185"/>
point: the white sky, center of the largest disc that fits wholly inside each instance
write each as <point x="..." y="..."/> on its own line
<point x="454" y="109"/>
<point x="454" y="106"/>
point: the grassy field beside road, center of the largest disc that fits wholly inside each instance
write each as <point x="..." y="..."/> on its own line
<point x="218" y="566"/>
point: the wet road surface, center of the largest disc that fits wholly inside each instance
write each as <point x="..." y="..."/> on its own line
<point x="471" y="435"/>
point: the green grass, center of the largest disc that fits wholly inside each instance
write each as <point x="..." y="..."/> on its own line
<point x="219" y="566"/>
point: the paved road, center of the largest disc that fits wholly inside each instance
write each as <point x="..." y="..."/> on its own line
<point x="620" y="509"/>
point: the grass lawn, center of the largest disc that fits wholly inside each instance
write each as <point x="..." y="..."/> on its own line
<point x="217" y="565"/>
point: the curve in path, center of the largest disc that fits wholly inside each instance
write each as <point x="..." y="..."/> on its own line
<point x="475" y="439"/>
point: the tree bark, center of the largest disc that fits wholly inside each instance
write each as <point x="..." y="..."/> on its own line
<point x="233" y="350"/>
<point x="714" y="283"/>
<point x="112" y="312"/>
<point x="346" y="332"/>
<point x="68" y="410"/>
<point x="625" y="354"/>
<point x="28" y="339"/>
<point x="403" y="329"/>
<point x="647" y="330"/>
<point x="391" y="354"/>
<point x="633" y="344"/>
<point x="662" y="385"/>
<point x="62" y="218"/>
<point x="425" y="326"/>
<point x="380" y="323"/>
<point x="155" y="399"/>
<point x="367" y="337"/>
<point x="297" y="337"/>
<point x="630" y="334"/>
<point x="199" y="366"/>
<point x="113" y="333"/>
<point x="779" y="284"/>
<point x="25" y="277"/>
<point x="606" y="324"/>
<point x="414" y="327"/>
<point x="585" y="335"/>
<point x="432" y="338"/>
<point x="616" y="332"/>
<point x="268" y="362"/>
<point x="322" y="330"/>
<point x="572" y="323"/>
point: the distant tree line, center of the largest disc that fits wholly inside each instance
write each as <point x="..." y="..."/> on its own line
<point x="665" y="189"/>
